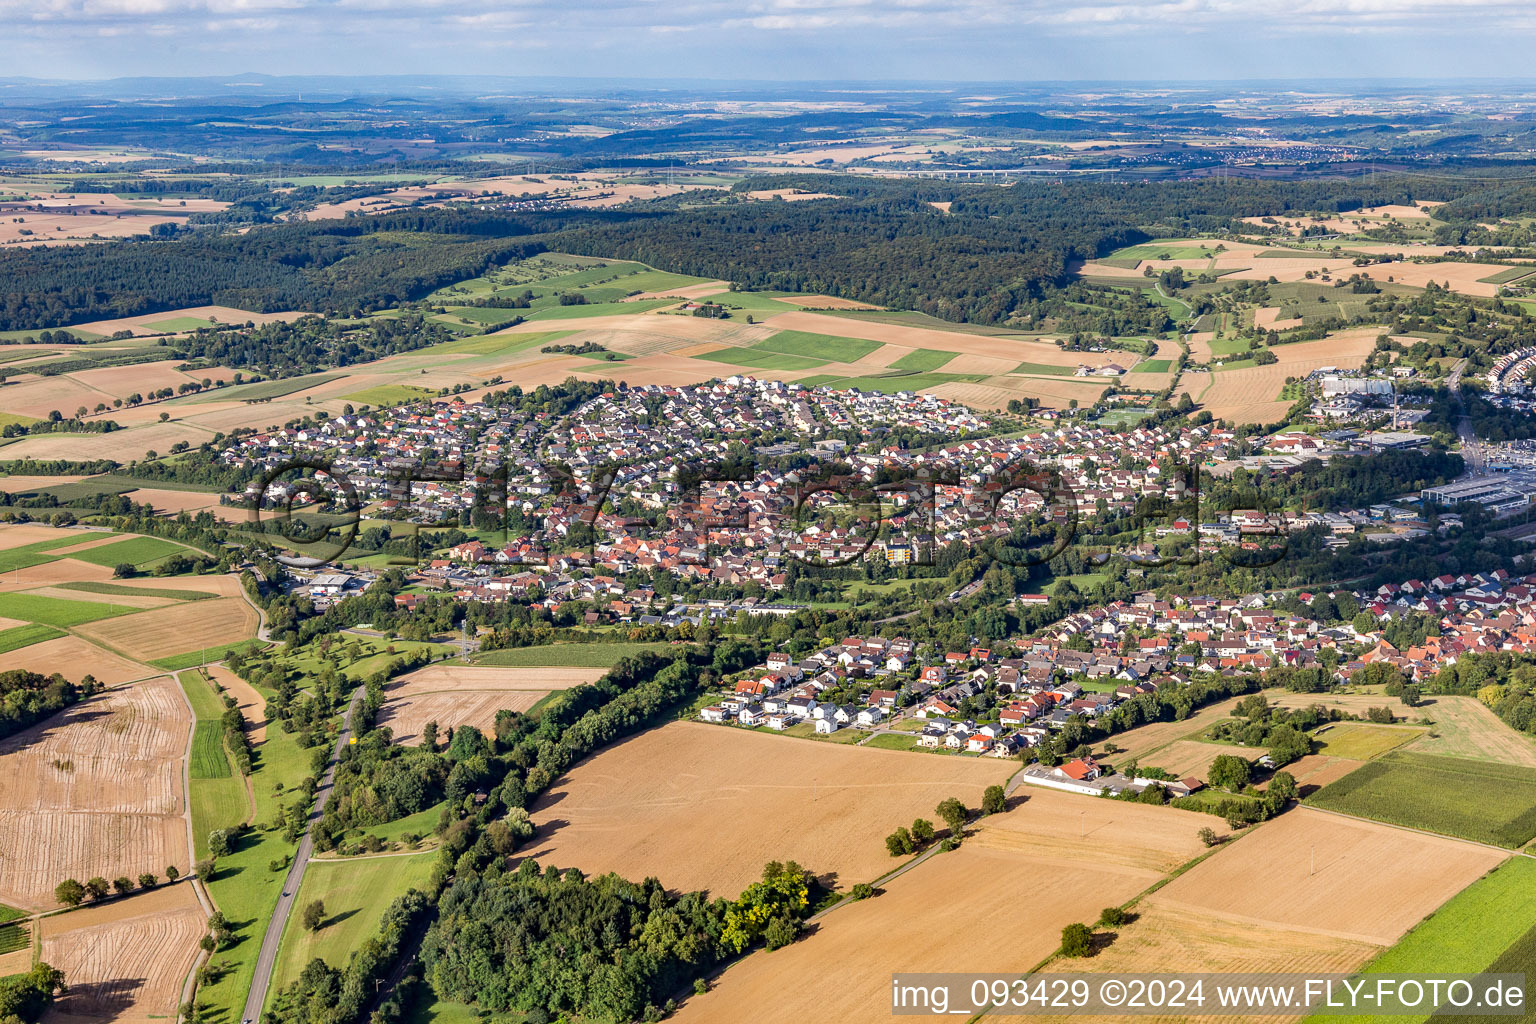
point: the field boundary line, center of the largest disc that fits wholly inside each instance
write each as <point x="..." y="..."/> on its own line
<point x="1518" y="851"/>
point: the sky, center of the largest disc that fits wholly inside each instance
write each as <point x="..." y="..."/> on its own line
<point x="947" y="40"/>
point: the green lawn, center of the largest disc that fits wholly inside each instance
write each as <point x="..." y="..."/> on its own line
<point x="499" y="344"/>
<point x="754" y="302"/>
<point x="1472" y="932"/>
<point x="1478" y="800"/>
<point x="922" y="360"/>
<point x="390" y="394"/>
<point x="1153" y="366"/>
<point x="889" y="741"/>
<point x="191" y="659"/>
<point x="245" y="888"/>
<point x="569" y="655"/>
<point x="1157" y="250"/>
<point x="1361" y="741"/>
<point x="134" y="551"/>
<point x="54" y="611"/>
<point x="17" y="637"/>
<point x="265" y="389"/>
<point x="439" y="1011"/>
<point x="356" y="892"/>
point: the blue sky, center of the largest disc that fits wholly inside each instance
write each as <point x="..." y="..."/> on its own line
<point x="774" y="39"/>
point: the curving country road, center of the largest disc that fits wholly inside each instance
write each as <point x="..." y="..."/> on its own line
<point x="266" y="960"/>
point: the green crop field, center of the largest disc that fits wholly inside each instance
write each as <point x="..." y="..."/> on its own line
<point x="24" y="556"/>
<point x="14" y="937"/>
<point x="923" y="360"/>
<point x="1044" y="369"/>
<point x="178" y="323"/>
<point x="17" y="637"/>
<point x="206" y="705"/>
<point x="390" y="394"/>
<point x="1509" y="275"/>
<point x="134" y="551"/>
<point x="55" y="611"/>
<point x="597" y="309"/>
<point x="1455" y="796"/>
<point x="752" y="357"/>
<point x="497" y="344"/>
<point x="1153" y="366"/>
<point x="825" y="347"/>
<point x="1488" y="926"/>
<point x="569" y="655"/>
<point x="208" y="758"/>
<point x="118" y="589"/>
<point x="890" y="384"/>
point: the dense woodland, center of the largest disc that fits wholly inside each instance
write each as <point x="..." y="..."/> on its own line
<point x="29" y="697"/>
<point x="995" y="252"/>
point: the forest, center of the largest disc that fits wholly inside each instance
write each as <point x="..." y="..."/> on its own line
<point x="995" y="251"/>
<point x="29" y="697"/>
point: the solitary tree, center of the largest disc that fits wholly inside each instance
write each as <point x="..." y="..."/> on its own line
<point x="954" y="814"/>
<point x="314" y="914"/>
<point x="1076" y="940"/>
<point x="69" y="892"/>
<point x="922" y="831"/>
<point x="1112" y="917"/>
<point x="97" y="887"/>
<point x="147" y="880"/>
<point x="171" y="873"/>
<point x="123" y="885"/>
<point x="1283" y="786"/>
<point x="993" y="801"/>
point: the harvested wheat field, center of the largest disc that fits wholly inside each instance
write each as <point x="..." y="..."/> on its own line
<point x="1144" y="742"/>
<point x="827" y="301"/>
<point x="1251" y="394"/>
<point x="173" y="501"/>
<point x="253" y="706"/>
<point x="95" y="790"/>
<point x="127" y="960"/>
<point x="1315" y="771"/>
<point x="75" y="658"/>
<point x="60" y="570"/>
<point x="126" y="445"/>
<point x="17" y="483"/>
<point x="997" y="904"/>
<point x="1200" y="941"/>
<point x="116" y="600"/>
<point x="997" y="392"/>
<point x="1370" y="882"/>
<point x="224" y="586"/>
<point x="406" y="716"/>
<point x="177" y="630"/>
<point x="448" y="676"/>
<point x="1192" y="757"/>
<point x="704" y="806"/>
<point x="14" y="535"/>
<point x="1465" y="727"/>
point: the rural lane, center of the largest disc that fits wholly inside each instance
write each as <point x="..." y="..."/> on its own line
<point x="266" y="960"/>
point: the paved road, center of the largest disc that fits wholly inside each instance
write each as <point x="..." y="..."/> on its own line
<point x="1471" y="451"/>
<point x="266" y="960"/>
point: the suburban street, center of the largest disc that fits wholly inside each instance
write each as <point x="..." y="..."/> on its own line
<point x="1471" y="451"/>
<point x="266" y="960"/>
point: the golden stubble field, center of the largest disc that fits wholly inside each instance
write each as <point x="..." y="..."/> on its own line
<point x="163" y="632"/>
<point x="997" y="904"/>
<point x="95" y="790"/>
<point x="1333" y="876"/>
<point x="455" y="695"/>
<point x="126" y="960"/>
<point x="705" y="806"/>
